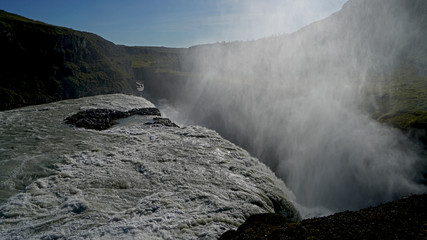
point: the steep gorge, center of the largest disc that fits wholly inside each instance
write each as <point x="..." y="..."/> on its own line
<point x="367" y="61"/>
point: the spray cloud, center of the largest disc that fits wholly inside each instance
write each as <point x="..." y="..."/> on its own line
<point x="297" y="102"/>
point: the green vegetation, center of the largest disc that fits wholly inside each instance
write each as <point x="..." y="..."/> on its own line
<point x="400" y="98"/>
<point x="43" y="63"/>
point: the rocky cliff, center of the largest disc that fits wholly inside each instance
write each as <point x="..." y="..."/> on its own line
<point x="402" y="219"/>
<point x="44" y="63"/>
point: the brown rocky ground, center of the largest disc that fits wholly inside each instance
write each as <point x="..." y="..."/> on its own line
<point x="402" y="219"/>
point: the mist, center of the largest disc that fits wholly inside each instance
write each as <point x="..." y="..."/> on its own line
<point x="298" y="102"/>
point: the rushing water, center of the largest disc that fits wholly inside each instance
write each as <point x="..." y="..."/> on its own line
<point x="130" y="181"/>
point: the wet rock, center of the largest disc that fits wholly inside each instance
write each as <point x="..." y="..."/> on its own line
<point x="144" y="111"/>
<point x="162" y="122"/>
<point x="101" y="119"/>
<point x="98" y="119"/>
<point x="76" y="205"/>
<point x="402" y="219"/>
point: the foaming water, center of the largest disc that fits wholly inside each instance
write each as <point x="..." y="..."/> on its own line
<point x="131" y="181"/>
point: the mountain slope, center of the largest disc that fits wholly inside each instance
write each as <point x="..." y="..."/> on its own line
<point x="44" y="63"/>
<point x="380" y="44"/>
<point x="308" y="103"/>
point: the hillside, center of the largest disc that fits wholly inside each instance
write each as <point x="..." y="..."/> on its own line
<point x="44" y="63"/>
<point x="309" y="103"/>
<point x="379" y="45"/>
<point x="336" y="109"/>
<point x="400" y="90"/>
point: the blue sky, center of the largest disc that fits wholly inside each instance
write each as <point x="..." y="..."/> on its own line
<point x="176" y="23"/>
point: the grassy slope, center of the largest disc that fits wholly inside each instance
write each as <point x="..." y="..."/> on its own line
<point x="397" y="96"/>
<point x="43" y="63"/>
<point x="401" y="98"/>
<point x="401" y="93"/>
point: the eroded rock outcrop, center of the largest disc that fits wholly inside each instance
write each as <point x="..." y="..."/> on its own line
<point x="101" y="119"/>
<point x="162" y="122"/>
<point x="402" y="219"/>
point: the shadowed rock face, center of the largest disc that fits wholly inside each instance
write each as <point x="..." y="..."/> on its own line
<point x="44" y="63"/>
<point x="403" y="219"/>
<point x="162" y="122"/>
<point x="101" y="119"/>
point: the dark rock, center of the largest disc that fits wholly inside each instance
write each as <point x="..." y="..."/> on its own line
<point x="403" y="219"/>
<point x="162" y="122"/>
<point x="98" y="119"/>
<point x="101" y="119"/>
<point x="76" y="206"/>
<point x="145" y="111"/>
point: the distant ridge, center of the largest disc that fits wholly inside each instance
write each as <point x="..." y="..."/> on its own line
<point x="43" y="63"/>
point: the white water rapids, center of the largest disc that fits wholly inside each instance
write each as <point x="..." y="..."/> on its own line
<point x="131" y="181"/>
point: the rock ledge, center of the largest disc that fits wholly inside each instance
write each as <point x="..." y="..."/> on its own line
<point x="101" y="119"/>
<point x="402" y="219"/>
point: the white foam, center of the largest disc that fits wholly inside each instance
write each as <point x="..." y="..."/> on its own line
<point x="132" y="181"/>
